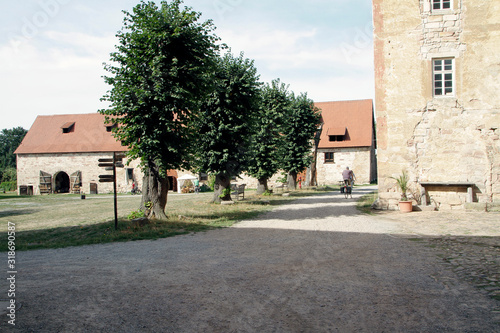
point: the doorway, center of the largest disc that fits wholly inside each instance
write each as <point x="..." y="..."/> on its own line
<point x="172" y="183"/>
<point x="61" y="182"/>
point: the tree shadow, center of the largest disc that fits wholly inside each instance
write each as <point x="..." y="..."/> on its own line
<point x="17" y="212"/>
<point x="263" y="276"/>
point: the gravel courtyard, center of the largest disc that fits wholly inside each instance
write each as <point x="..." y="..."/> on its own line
<point x="314" y="265"/>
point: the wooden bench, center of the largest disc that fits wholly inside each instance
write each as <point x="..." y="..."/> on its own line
<point x="239" y="191"/>
<point x="281" y="186"/>
<point x="469" y="186"/>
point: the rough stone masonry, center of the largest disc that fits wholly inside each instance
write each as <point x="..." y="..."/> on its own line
<point x="435" y="136"/>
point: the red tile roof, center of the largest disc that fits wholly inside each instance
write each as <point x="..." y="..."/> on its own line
<point x="353" y="119"/>
<point x="87" y="134"/>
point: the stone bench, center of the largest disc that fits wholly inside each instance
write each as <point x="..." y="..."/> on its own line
<point x="469" y="186"/>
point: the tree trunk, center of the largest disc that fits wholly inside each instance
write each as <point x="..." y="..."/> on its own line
<point x="314" y="172"/>
<point x="145" y="191"/>
<point x="154" y="193"/>
<point x="222" y="183"/>
<point x="262" y="186"/>
<point x="292" y="180"/>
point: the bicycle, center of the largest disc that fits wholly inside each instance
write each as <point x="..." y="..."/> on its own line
<point x="347" y="189"/>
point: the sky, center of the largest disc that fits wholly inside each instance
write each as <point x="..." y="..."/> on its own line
<point x="52" y="51"/>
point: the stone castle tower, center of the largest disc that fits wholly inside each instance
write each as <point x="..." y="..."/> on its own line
<point x="437" y="79"/>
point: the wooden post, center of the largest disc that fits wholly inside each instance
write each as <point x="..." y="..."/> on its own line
<point x="114" y="191"/>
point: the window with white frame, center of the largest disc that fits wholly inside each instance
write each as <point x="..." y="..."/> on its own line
<point x="441" y="4"/>
<point x="443" y="77"/>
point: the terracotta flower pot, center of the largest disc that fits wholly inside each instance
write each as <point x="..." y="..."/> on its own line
<point x="405" y="206"/>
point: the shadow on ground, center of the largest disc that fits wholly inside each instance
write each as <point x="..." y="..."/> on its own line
<point x="248" y="280"/>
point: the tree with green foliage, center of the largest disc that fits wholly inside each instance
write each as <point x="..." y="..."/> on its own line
<point x="267" y="137"/>
<point x="224" y="125"/>
<point x="9" y="175"/>
<point x="159" y="77"/>
<point x="10" y="139"/>
<point x="299" y="129"/>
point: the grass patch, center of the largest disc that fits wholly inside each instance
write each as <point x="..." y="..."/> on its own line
<point x="11" y="195"/>
<point x="416" y="239"/>
<point x="365" y="203"/>
<point x="56" y="221"/>
<point x="100" y="233"/>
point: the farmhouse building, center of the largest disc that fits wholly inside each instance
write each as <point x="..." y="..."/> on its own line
<point x="60" y="154"/>
<point x="437" y="79"/>
<point x="347" y="140"/>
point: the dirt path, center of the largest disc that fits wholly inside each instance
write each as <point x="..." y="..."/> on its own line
<point x="315" y="265"/>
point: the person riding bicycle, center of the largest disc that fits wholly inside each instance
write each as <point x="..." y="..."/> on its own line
<point x="348" y="176"/>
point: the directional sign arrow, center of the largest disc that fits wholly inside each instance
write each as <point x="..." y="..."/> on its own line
<point x="119" y="156"/>
<point x="108" y="168"/>
<point x="105" y="160"/>
<point x="105" y="180"/>
<point x="119" y="165"/>
<point x="105" y="176"/>
<point x="103" y="165"/>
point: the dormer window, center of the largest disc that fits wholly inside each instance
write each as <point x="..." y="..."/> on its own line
<point x="334" y="138"/>
<point x="68" y="127"/>
<point x="337" y="134"/>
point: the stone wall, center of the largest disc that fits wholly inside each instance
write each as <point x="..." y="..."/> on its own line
<point x="438" y="139"/>
<point x="252" y="182"/>
<point x="359" y="160"/>
<point x="30" y="165"/>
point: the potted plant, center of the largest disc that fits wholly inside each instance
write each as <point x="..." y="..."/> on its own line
<point x="405" y="205"/>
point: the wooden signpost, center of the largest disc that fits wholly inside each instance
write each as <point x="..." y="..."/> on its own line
<point x="110" y="164"/>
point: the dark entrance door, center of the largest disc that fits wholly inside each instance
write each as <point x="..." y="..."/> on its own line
<point x="172" y="183"/>
<point x="61" y="182"/>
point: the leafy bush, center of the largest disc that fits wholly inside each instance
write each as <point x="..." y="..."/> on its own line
<point x="225" y="192"/>
<point x="9" y="175"/>
<point x="136" y="214"/>
<point x="9" y="186"/>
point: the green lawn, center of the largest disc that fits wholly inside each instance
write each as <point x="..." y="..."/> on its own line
<point x="54" y="221"/>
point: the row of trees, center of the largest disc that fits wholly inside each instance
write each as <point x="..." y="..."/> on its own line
<point x="180" y="103"/>
<point x="10" y="139"/>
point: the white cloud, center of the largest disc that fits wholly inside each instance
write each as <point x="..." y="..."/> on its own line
<point x="54" y="65"/>
<point x="288" y="49"/>
<point x="53" y="80"/>
<point x="308" y="63"/>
